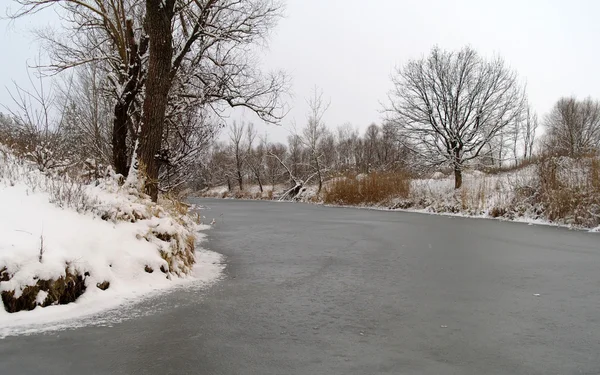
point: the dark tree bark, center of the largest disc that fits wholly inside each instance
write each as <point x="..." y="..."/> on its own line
<point x="119" y="138"/>
<point x="122" y="116"/>
<point x="457" y="177"/>
<point x="159" y="14"/>
<point x="240" y="179"/>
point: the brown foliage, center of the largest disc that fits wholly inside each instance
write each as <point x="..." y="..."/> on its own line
<point x="373" y="188"/>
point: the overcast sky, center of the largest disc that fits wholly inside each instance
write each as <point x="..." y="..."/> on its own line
<point x="349" y="48"/>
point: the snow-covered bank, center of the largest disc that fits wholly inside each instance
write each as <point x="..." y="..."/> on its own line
<point x="97" y="244"/>
<point x="555" y="191"/>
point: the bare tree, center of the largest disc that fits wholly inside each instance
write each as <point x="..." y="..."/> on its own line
<point x="371" y="145"/>
<point x="35" y="127"/>
<point x="314" y="131"/>
<point x="255" y="156"/>
<point x="219" y="166"/>
<point x="346" y="138"/>
<point x="187" y="139"/>
<point x="239" y="150"/>
<point x="295" y="153"/>
<point x="109" y="34"/>
<point x="529" y="133"/>
<point x="274" y="170"/>
<point x="573" y="127"/>
<point x="449" y="106"/>
<point x="515" y="137"/>
<point x="393" y="155"/>
<point x="204" y="44"/>
<point x="87" y="120"/>
<point x="327" y="147"/>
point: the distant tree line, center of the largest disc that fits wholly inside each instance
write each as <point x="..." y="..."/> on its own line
<point x="249" y="159"/>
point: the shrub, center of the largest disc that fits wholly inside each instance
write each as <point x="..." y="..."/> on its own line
<point x="569" y="190"/>
<point x="373" y="188"/>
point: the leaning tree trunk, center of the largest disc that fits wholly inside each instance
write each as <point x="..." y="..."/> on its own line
<point x="159" y="14"/>
<point x="260" y="186"/>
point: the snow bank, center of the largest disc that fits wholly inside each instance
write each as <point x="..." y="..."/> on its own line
<point x="106" y="246"/>
<point x="249" y="192"/>
<point x="480" y="195"/>
<point x="556" y="191"/>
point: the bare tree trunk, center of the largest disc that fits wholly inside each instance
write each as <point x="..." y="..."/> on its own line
<point x="121" y="113"/>
<point x="516" y="143"/>
<point x="158" y="26"/>
<point x="457" y="177"/>
<point x="319" y="175"/>
<point x="457" y="169"/>
<point x="119" y="139"/>
<point x="259" y="182"/>
<point x="240" y="178"/>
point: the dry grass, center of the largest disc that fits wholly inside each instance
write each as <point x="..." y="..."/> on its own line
<point x="370" y="189"/>
<point x="569" y="190"/>
<point x="473" y="198"/>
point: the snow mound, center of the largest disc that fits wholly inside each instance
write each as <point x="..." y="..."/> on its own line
<point x="96" y="244"/>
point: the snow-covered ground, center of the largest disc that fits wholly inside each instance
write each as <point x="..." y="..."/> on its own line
<point x="479" y="195"/>
<point x="124" y="247"/>
<point x="506" y="195"/>
<point x="249" y="192"/>
<point x="269" y="192"/>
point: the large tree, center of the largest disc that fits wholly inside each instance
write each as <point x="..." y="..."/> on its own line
<point x="573" y="127"/>
<point x="204" y="44"/>
<point x="450" y="105"/>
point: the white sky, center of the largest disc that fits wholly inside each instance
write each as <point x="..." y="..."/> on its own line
<point x="349" y="48"/>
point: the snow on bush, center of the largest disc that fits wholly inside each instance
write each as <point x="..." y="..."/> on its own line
<point x="62" y="241"/>
<point x="569" y="190"/>
<point x="557" y="190"/>
<point x="480" y="195"/>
